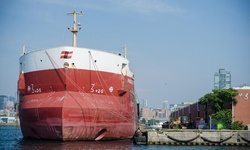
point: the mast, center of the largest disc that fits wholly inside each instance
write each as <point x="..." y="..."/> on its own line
<point x="23" y="49"/>
<point x="75" y="28"/>
<point x="125" y="51"/>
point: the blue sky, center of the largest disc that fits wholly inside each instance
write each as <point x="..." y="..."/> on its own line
<point x="174" y="46"/>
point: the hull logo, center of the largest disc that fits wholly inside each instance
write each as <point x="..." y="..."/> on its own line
<point x="66" y="54"/>
<point x="111" y="89"/>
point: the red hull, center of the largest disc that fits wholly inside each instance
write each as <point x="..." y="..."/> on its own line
<point x="76" y="105"/>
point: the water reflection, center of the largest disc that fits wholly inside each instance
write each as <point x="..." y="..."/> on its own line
<point x="59" y="145"/>
<point x="11" y="138"/>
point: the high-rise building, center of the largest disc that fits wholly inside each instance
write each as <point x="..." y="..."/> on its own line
<point x="3" y="101"/>
<point x="222" y="79"/>
<point x="165" y="105"/>
<point x="144" y="103"/>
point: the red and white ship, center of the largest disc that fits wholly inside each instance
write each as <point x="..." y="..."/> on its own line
<point x="72" y="93"/>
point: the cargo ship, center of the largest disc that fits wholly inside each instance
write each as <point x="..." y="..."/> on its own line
<point x="73" y="93"/>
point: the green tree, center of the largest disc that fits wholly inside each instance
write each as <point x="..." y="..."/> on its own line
<point x="216" y="100"/>
<point x="143" y="121"/>
<point x="225" y="116"/>
<point x="218" y="97"/>
<point x="237" y="125"/>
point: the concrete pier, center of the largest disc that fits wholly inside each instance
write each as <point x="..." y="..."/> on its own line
<point x="193" y="137"/>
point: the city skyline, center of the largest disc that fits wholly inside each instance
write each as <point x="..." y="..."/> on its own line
<point x="174" y="47"/>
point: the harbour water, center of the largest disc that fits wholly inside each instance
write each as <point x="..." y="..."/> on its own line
<point x="11" y="138"/>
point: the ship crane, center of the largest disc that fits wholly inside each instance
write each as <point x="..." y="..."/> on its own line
<point x="75" y="28"/>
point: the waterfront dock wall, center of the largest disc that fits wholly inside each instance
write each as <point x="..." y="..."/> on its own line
<point x="193" y="137"/>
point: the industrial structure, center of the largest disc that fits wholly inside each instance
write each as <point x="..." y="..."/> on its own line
<point x="240" y="112"/>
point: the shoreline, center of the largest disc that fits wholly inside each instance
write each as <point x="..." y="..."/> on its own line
<point x="9" y="124"/>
